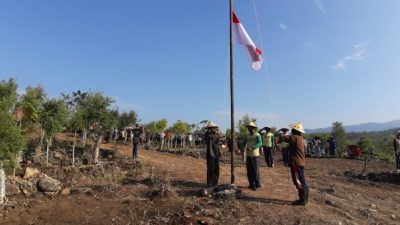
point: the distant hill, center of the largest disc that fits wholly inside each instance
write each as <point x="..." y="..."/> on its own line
<point x="365" y="127"/>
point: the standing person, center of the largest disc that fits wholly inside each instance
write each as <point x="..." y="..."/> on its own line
<point x="317" y="146"/>
<point x="283" y="145"/>
<point x="253" y="144"/>
<point x="267" y="145"/>
<point x="332" y="146"/>
<point x="396" y="145"/>
<point x="162" y="140"/>
<point x="137" y="133"/>
<point x="212" y="137"/>
<point x="190" y="140"/>
<point x="297" y="161"/>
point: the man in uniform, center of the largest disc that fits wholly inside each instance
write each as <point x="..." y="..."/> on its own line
<point x="137" y="133"/>
<point x="396" y="145"/>
<point x="297" y="161"/>
<point x="212" y="137"/>
<point x="253" y="144"/>
<point x="267" y="145"/>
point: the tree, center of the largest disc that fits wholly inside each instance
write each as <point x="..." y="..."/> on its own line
<point x="243" y="131"/>
<point x="32" y="104"/>
<point x="339" y="133"/>
<point x="127" y="119"/>
<point x="180" y="127"/>
<point x="12" y="142"/>
<point x="95" y="110"/>
<point x="367" y="150"/>
<point x="53" y="119"/>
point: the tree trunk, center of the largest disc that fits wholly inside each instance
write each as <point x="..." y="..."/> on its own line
<point x="97" y="150"/>
<point x="73" y="150"/>
<point x="47" y="151"/>
<point x="84" y="138"/>
<point x="42" y="139"/>
<point x="2" y="184"/>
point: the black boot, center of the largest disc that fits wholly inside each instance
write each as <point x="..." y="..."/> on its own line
<point x="301" y="200"/>
<point x="306" y="196"/>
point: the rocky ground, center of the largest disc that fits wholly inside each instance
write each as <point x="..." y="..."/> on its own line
<point x="165" y="188"/>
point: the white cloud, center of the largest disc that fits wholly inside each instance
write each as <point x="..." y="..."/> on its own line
<point x="320" y="6"/>
<point x="359" y="53"/>
<point x="283" y="26"/>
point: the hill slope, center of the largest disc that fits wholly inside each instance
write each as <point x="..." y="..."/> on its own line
<point x="365" y="127"/>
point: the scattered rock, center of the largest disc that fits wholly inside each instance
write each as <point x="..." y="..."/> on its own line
<point x="12" y="189"/>
<point x="48" y="184"/>
<point x="393" y="216"/>
<point x="226" y="194"/>
<point x="330" y="190"/>
<point x="31" y="172"/>
<point x="66" y="191"/>
<point x="29" y="189"/>
<point x="204" y="193"/>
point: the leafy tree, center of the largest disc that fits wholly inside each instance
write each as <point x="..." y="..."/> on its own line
<point x="127" y="119"/>
<point x="12" y="142"/>
<point x="180" y="127"/>
<point x="32" y="104"/>
<point x="53" y="119"/>
<point x="339" y="133"/>
<point x="243" y="131"/>
<point x="95" y="110"/>
<point x="366" y="145"/>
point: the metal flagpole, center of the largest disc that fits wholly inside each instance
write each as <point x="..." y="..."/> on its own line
<point x="232" y="92"/>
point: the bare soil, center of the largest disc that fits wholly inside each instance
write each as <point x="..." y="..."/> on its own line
<point x="124" y="193"/>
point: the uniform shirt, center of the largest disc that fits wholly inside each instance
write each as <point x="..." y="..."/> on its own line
<point x="254" y="142"/>
<point x="296" y="149"/>
<point x="137" y="132"/>
<point x="267" y="139"/>
<point x="212" y="141"/>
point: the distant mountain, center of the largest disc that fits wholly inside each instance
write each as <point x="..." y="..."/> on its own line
<point x="365" y="127"/>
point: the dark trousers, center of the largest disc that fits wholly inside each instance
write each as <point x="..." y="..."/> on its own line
<point x="285" y="156"/>
<point x="398" y="161"/>
<point x="332" y="151"/>
<point x="269" y="156"/>
<point x="212" y="170"/>
<point x="298" y="177"/>
<point x="253" y="174"/>
<point x="135" y="150"/>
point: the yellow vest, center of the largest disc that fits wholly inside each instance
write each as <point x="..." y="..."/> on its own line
<point x="267" y="139"/>
<point x="250" y="141"/>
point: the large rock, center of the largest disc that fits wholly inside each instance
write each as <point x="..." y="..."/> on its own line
<point x="12" y="189"/>
<point x="48" y="184"/>
<point x="31" y="172"/>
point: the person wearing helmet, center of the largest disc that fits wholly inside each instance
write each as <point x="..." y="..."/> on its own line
<point x="212" y="137"/>
<point x="396" y="145"/>
<point x="252" y="146"/>
<point x="297" y="161"/>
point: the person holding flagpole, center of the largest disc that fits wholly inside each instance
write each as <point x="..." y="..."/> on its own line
<point x="212" y="138"/>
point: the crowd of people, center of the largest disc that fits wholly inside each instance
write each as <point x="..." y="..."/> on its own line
<point x="267" y="141"/>
<point x="254" y="144"/>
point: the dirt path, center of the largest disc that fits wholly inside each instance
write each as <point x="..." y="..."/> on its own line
<point x="334" y="199"/>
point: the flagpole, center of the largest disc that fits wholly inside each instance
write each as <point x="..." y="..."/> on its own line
<point x="232" y="92"/>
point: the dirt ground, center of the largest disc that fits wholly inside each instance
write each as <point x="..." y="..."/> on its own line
<point x="334" y="198"/>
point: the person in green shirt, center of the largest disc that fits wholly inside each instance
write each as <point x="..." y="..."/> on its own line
<point x="267" y="145"/>
<point x="253" y="144"/>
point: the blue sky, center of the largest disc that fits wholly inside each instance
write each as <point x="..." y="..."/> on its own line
<point x="324" y="61"/>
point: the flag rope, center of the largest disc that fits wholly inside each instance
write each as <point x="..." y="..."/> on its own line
<point x="267" y="75"/>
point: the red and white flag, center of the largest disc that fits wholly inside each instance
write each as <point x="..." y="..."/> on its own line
<point x="242" y="37"/>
